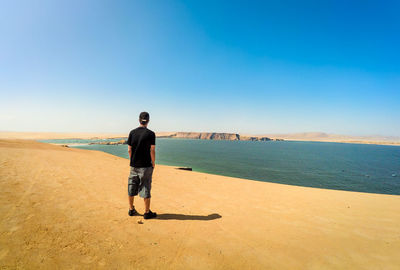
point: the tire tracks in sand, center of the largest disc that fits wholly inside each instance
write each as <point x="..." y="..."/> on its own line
<point x="27" y="191"/>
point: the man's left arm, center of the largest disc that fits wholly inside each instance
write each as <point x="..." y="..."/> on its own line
<point x="153" y="150"/>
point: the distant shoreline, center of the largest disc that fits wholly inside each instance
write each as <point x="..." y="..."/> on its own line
<point x="310" y="137"/>
<point x="349" y="142"/>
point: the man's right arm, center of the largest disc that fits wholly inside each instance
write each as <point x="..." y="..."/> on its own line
<point x="153" y="155"/>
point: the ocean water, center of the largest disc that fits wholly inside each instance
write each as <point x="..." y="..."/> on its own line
<point x="352" y="167"/>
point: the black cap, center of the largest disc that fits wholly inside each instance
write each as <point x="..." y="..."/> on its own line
<point x="144" y="117"/>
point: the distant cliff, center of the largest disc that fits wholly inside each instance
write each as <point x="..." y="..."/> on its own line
<point x="200" y="136"/>
<point x="207" y="136"/>
<point x="214" y="136"/>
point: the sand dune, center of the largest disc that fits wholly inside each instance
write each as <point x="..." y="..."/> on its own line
<point x="64" y="208"/>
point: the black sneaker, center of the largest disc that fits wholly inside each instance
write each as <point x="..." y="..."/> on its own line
<point x="132" y="212"/>
<point x="149" y="215"/>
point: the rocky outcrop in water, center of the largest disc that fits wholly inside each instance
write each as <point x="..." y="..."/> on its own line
<point x="247" y="138"/>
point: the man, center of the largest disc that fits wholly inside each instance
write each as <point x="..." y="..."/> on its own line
<point x="142" y="154"/>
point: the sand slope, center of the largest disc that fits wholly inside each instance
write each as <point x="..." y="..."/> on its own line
<point x="67" y="208"/>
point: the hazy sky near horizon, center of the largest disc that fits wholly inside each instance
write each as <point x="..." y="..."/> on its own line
<point x="253" y="67"/>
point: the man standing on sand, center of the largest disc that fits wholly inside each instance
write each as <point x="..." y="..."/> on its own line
<point x="142" y="153"/>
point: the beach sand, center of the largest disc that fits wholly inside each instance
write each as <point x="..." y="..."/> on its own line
<point x="64" y="208"/>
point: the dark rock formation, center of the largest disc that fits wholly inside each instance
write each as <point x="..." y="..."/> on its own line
<point x="246" y="138"/>
<point x="185" y="168"/>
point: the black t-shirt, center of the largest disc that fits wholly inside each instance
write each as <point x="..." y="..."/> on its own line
<point x="141" y="139"/>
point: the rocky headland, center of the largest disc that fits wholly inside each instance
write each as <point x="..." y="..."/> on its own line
<point x="200" y="136"/>
<point x="215" y="136"/>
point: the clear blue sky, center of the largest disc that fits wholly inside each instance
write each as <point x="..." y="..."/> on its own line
<point x="227" y="66"/>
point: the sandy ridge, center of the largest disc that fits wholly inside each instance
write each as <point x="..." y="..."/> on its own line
<point x="66" y="208"/>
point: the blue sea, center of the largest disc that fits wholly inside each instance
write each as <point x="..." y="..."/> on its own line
<point x="341" y="166"/>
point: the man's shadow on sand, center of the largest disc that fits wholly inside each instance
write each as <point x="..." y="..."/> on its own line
<point x="187" y="217"/>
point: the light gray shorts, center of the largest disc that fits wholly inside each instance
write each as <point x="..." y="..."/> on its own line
<point x="139" y="182"/>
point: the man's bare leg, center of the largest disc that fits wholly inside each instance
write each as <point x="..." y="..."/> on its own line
<point x="147" y="204"/>
<point x="131" y="199"/>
